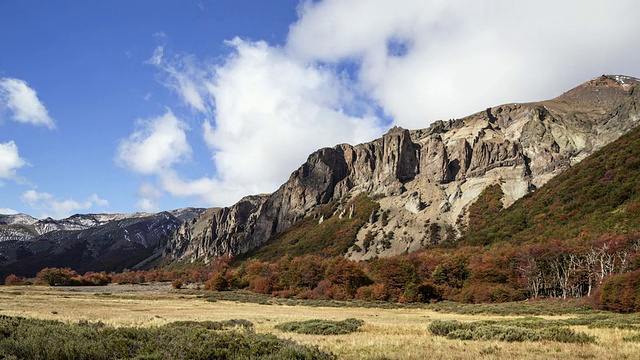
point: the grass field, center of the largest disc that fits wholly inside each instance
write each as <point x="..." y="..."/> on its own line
<point x="387" y="333"/>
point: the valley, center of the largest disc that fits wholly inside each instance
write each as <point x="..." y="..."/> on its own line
<point x="387" y="333"/>
<point x="533" y="208"/>
<point x="319" y="179"/>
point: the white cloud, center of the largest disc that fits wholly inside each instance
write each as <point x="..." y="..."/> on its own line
<point x="207" y="190"/>
<point x="95" y="200"/>
<point x="10" y="160"/>
<point x="267" y="107"/>
<point x="57" y="208"/>
<point x="183" y="77"/>
<point x="462" y="56"/>
<point x="7" y="211"/>
<point x="156" y="145"/>
<point x="23" y="103"/>
<point x="272" y="111"/>
<point x="268" y="113"/>
<point x="149" y="196"/>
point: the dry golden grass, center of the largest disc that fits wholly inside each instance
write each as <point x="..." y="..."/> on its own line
<point x="387" y="333"/>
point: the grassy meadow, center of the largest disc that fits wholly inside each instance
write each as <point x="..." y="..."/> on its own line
<point x="387" y="333"/>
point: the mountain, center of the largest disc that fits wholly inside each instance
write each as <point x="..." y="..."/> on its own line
<point x="599" y="196"/>
<point x="25" y="227"/>
<point x="95" y="242"/>
<point x="423" y="180"/>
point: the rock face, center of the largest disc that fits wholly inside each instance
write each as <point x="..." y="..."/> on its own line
<point x="219" y="230"/>
<point x="425" y="179"/>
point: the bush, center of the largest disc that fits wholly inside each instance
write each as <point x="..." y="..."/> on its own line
<point x="42" y="339"/>
<point x="527" y="329"/>
<point x="348" y="275"/>
<point x="261" y="285"/>
<point x="372" y="293"/>
<point x="96" y="279"/>
<point x="322" y="327"/>
<point x="177" y="284"/>
<point x="13" y="280"/>
<point x="57" y="277"/>
<point x="218" y="282"/>
<point x="430" y="292"/>
<point x="620" y="293"/>
<point x="489" y="292"/>
<point x="365" y="293"/>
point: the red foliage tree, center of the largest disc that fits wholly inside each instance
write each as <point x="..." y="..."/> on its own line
<point x="347" y="275"/>
<point x="13" y="280"/>
<point x="57" y="277"/>
<point x="96" y="279"/>
<point x="620" y="293"/>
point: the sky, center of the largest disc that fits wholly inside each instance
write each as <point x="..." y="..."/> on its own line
<point x="124" y="106"/>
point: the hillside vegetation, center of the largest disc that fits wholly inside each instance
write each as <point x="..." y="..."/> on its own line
<point x="577" y="236"/>
<point x="600" y="195"/>
<point x="328" y="232"/>
<point x="562" y="241"/>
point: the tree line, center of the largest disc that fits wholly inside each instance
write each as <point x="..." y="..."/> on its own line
<point x="600" y="267"/>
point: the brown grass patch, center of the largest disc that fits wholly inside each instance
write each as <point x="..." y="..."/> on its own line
<point x="387" y="333"/>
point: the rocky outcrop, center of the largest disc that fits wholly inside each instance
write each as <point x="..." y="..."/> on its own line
<point x="219" y="231"/>
<point x="425" y="179"/>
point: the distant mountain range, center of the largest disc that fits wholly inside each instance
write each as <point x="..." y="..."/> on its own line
<point x="96" y="242"/>
<point x="405" y="191"/>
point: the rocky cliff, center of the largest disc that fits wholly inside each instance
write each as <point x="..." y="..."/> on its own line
<point x="425" y="179"/>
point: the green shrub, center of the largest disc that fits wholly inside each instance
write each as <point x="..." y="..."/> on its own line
<point x="634" y="338"/>
<point x="322" y="327"/>
<point x="608" y="321"/>
<point x="534" y="307"/>
<point x="443" y="328"/>
<point x="527" y="329"/>
<point x="40" y="339"/>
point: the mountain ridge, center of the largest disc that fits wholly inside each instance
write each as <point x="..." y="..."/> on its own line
<point x="423" y="182"/>
<point x="85" y="242"/>
<point x="25" y="227"/>
<point x="425" y="179"/>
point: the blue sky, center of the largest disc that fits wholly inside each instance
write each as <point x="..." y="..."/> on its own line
<point x="123" y="106"/>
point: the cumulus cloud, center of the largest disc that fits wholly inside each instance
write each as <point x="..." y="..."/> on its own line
<point x="424" y="60"/>
<point x="7" y="211"/>
<point x="348" y="66"/>
<point x="272" y="111"/>
<point x="156" y="145"/>
<point x="50" y="206"/>
<point x="267" y="112"/>
<point x="10" y="160"/>
<point x="23" y="104"/>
